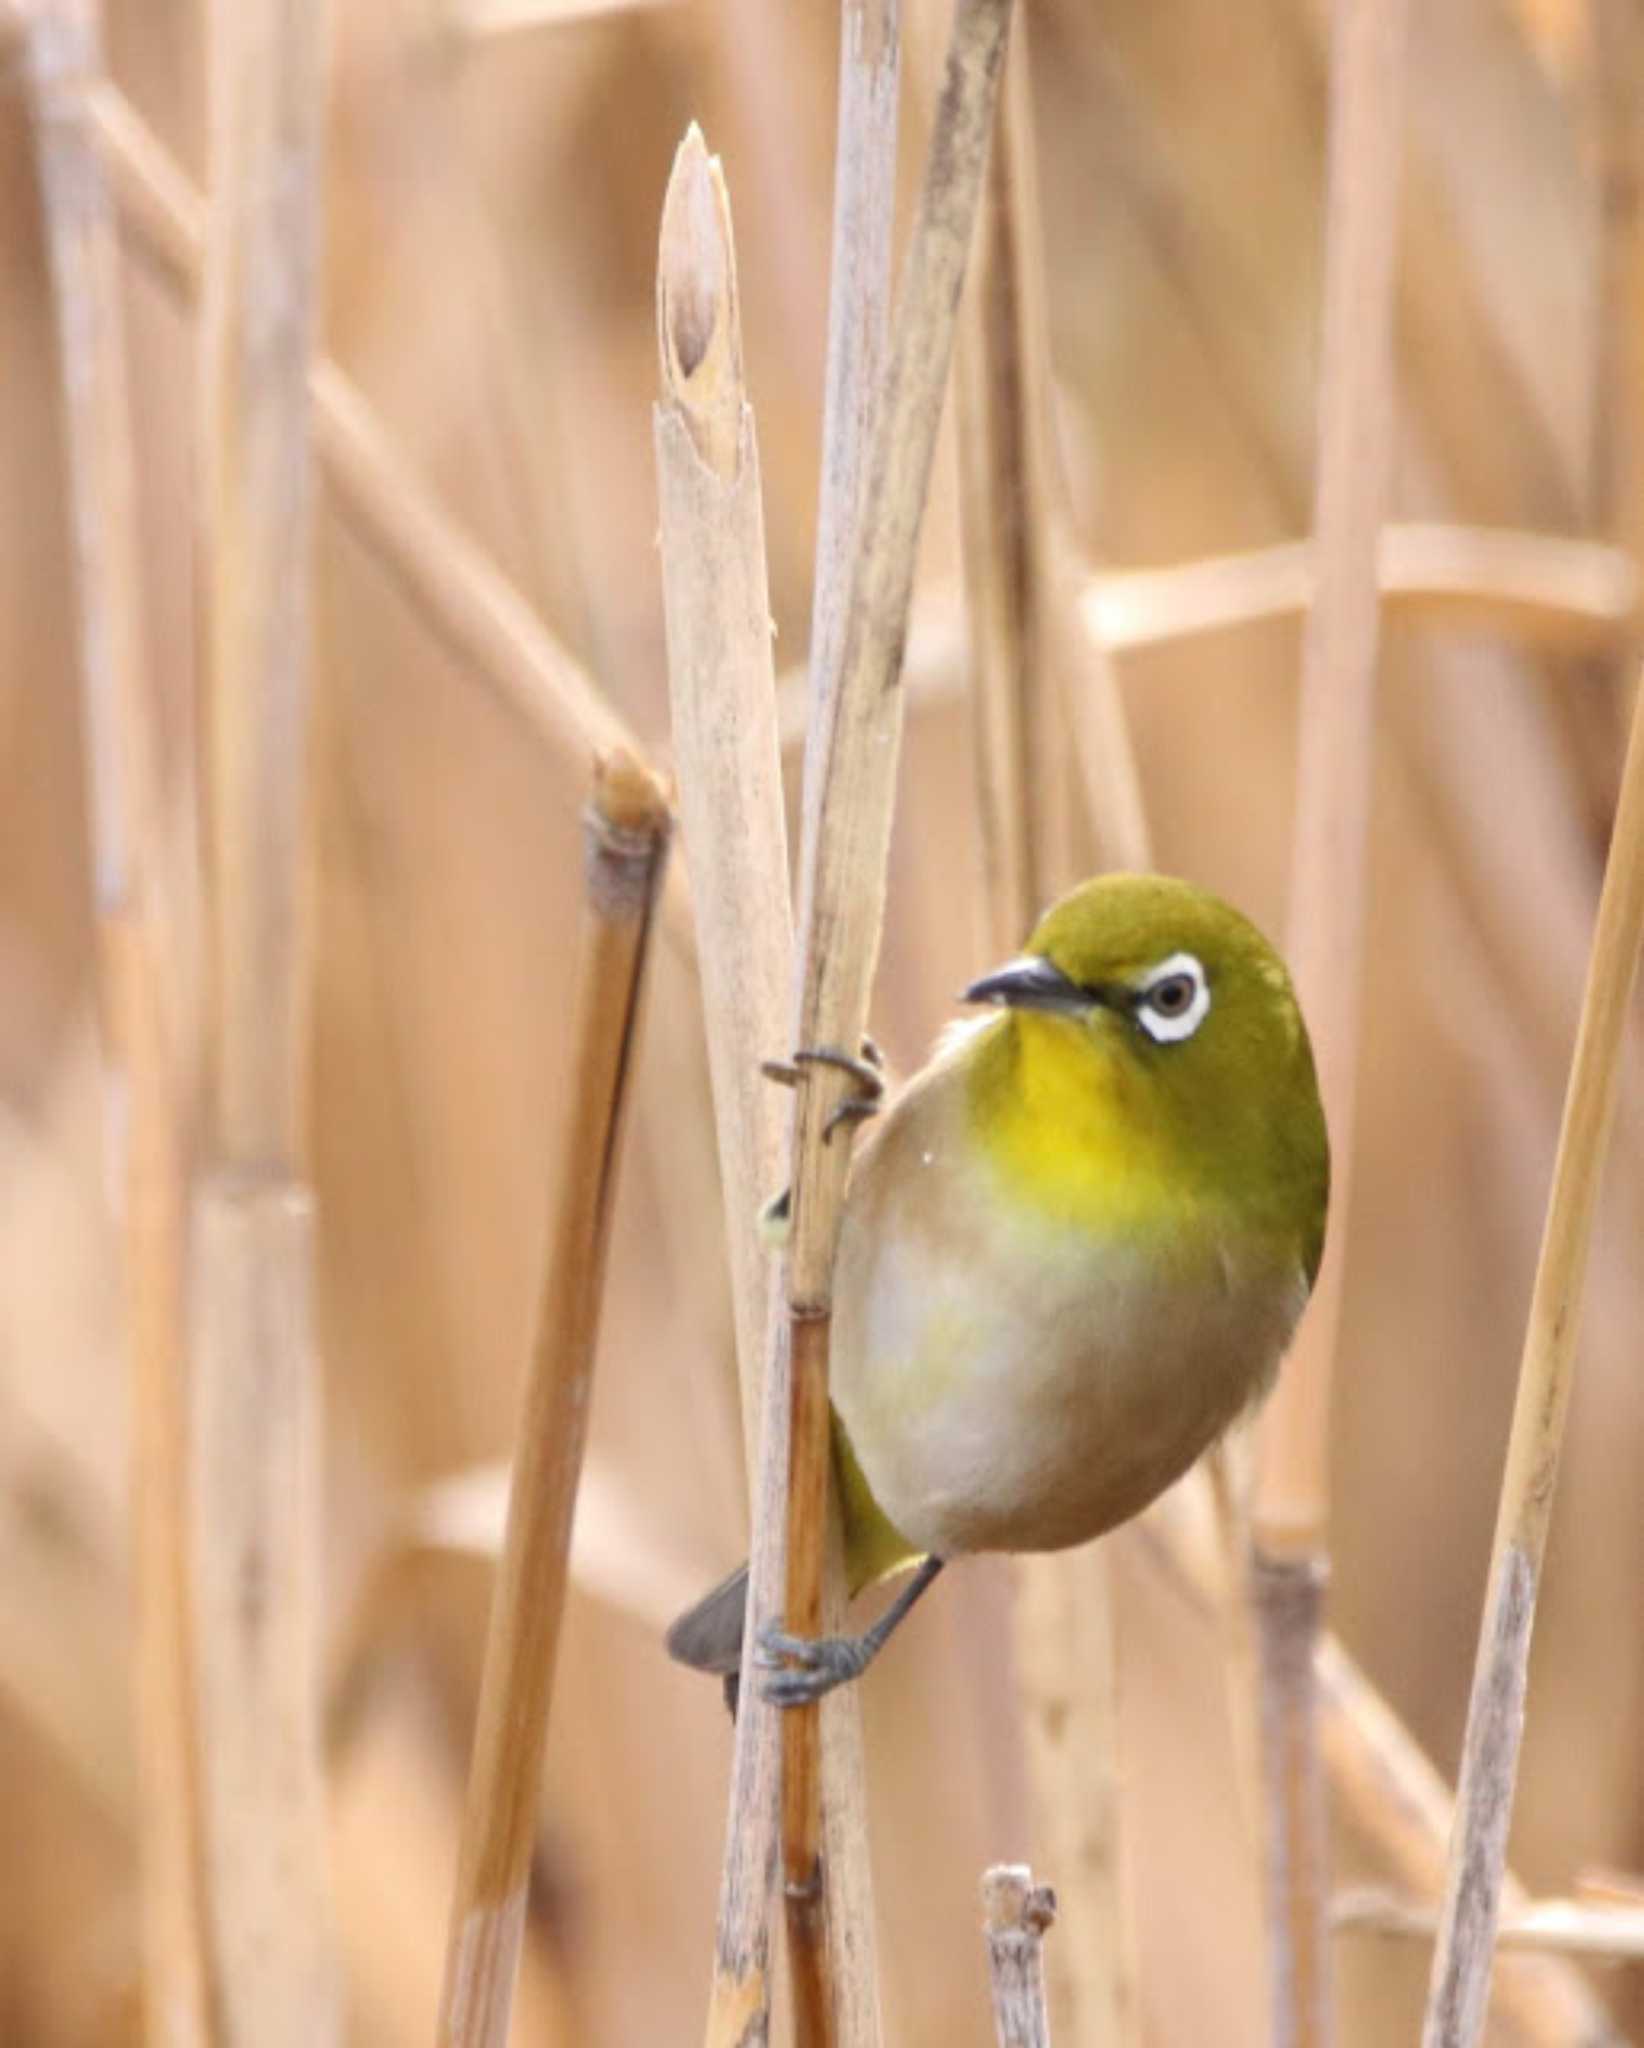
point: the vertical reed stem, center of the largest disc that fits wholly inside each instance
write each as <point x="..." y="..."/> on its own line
<point x="1024" y="634"/>
<point x="1016" y="1915"/>
<point x="627" y="838"/>
<point x="138" y="970"/>
<point x="1290" y="1522"/>
<point x="847" y="836"/>
<point x="1495" y="1716"/>
<point x="722" y="691"/>
<point x="257" y="1415"/>
<point x="859" y="300"/>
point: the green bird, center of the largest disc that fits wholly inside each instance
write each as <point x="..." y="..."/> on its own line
<point x="1073" y="1252"/>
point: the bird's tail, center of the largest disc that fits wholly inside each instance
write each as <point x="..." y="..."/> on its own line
<point x="708" y="1636"/>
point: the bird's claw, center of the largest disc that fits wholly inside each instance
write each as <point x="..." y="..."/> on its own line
<point x="863" y="1067"/>
<point x="855" y="1109"/>
<point x="803" y="1668"/>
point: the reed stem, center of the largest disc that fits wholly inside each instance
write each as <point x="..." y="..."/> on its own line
<point x="1016" y="1916"/>
<point x="626" y="847"/>
<point x="138" y="975"/>
<point x="1495" y="1718"/>
<point x="1290" y="1540"/>
<point x="850" y="790"/>
<point x="256" y="1423"/>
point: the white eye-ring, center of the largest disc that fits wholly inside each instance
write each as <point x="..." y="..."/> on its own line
<point x="1174" y="1000"/>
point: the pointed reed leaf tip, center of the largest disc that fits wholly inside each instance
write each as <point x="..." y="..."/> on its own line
<point x="696" y="272"/>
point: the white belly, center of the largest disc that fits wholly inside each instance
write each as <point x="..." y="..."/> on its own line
<point x="1023" y="1389"/>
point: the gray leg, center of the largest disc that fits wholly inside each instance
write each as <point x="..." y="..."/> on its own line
<point x="803" y="1669"/>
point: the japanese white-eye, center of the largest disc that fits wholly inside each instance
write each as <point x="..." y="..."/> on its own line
<point x="1074" y="1250"/>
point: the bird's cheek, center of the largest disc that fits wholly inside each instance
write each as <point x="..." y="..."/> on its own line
<point x="1109" y="1032"/>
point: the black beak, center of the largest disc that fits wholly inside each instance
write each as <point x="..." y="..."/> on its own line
<point x="1032" y="984"/>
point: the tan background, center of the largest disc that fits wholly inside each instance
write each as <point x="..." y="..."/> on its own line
<point x="492" y="214"/>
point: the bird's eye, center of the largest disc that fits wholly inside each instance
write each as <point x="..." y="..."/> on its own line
<point x="1174" y="1002"/>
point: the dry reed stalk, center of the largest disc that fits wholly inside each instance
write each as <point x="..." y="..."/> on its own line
<point x="1569" y="591"/>
<point x="1545" y="588"/>
<point x="1016" y="1915"/>
<point x="1615" y="460"/>
<point x="1563" y="1927"/>
<point x="722" y="687"/>
<point x="858" y="328"/>
<point x="1495" y="1719"/>
<point x="1019" y="598"/>
<point x="859" y="297"/>
<point x="66" y="1634"/>
<point x="739" y="2002"/>
<point x="618" y="1557"/>
<point x="1290" y="1539"/>
<point x="484" y="19"/>
<point x="626" y="836"/>
<point x="848" y="815"/>
<point x="864" y="198"/>
<point x="396" y="1813"/>
<point x="1616" y="441"/>
<point x="1066" y="1650"/>
<point x="136" y="970"/>
<point x="256" y="1421"/>
<point x="1386" y="1788"/>
<point x="1398" y="1802"/>
<point x="1011" y="525"/>
<point x="722" y="680"/>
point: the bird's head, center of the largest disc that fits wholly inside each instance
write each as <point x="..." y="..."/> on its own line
<point x="1155" y="969"/>
<point x="1155" y="1050"/>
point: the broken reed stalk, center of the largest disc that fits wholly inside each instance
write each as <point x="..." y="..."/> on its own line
<point x="256" y="1420"/>
<point x="626" y="837"/>
<point x="137" y="970"/>
<point x="1020" y="601"/>
<point x="1016" y="1915"/>
<point x="722" y="690"/>
<point x="1289" y="1548"/>
<point x="847" y="839"/>
<point x="723" y="694"/>
<point x="1495" y="1717"/>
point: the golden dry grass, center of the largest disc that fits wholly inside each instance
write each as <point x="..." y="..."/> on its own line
<point x="491" y="215"/>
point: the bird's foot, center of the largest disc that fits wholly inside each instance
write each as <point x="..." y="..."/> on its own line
<point x="863" y="1067"/>
<point x="803" y="1668"/>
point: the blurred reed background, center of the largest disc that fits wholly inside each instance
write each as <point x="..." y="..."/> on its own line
<point x="492" y="193"/>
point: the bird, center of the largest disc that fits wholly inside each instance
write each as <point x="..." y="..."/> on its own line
<point x="1073" y="1252"/>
